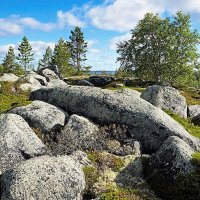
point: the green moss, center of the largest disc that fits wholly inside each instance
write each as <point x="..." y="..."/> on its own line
<point x="192" y="97"/>
<point x="109" y="160"/>
<point x="91" y="176"/>
<point x="186" y="123"/>
<point x="124" y="194"/>
<point x="12" y="96"/>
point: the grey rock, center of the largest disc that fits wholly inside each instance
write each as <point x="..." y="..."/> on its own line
<point x="174" y="157"/>
<point x="81" y="158"/>
<point x="18" y="141"/>
<point x="118" y="85"/>
<point x="193" y="110"/>
<point x="147" y="123"/>
<point x="194" y="113"/>
<point x="167" y="98"/>
<point x="129" y="92"/>
<point x="101" y="81"/>
<point x="29" y="86"/>
<point x="44" y="178"/>
<point x="81" y="131"/>
<point x="42" y="115"/>
<point x="48" y="74"/>
<point x="56" y="83"/>
<point x="9" y="78"/>
<point x="84" y="83"/>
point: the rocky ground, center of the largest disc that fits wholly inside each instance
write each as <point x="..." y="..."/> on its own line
<point x="83" y="142"/>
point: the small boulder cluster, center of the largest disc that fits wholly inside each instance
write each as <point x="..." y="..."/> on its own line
<point x="75" y="142"/>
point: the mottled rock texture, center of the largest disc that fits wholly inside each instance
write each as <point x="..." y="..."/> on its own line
<point x="42" y="115"/>
<point x="148" y="124"/>
<point x="166" y="98"/>
<point x="18" y="141"/>
<point x="44" y="178"/>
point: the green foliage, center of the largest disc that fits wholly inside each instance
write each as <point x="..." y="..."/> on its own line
<point x="186" y="123"/>
<point x="91" y="176"/>
<point x="25" y="56"/>
<point x="78" y="48"/>
<point x="9" y="62"/>
<point x="192" y="97"/>
<point x="160" y="49"/>
<point x="46" y="60"/>
<point x="11" y="96"/>
<point x="61" y="56"/>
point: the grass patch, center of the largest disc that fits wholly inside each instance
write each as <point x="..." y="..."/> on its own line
<point x="12" y="96"/>
<point x="186" y="123"/>
<point x="124" y="194"/>
<point x="192" y="97"/>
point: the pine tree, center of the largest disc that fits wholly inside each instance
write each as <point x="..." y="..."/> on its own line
<point x="9" y="62"/>
<point x="46" y="60"/>
<point x="78" y="49"/>
<point x="25" y="55"/>
<point x="61" y="58"/>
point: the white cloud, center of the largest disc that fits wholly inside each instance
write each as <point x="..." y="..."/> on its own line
<point x="15" y="25"/>
<point x="68" y="18"/>
<point x="121" y="15"/>
<point x="114" y="41"/>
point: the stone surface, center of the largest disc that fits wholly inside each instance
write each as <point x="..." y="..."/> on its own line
<point x="193" y="110"/>
<point x="42" y="115"/>
<point x="29" y="86"/>
<point x="129" y="92"/>
<point x="48" y="74"/>
<point x="56" y="83"/>
<point x="173" y="157"/>
<point x="101" y="81"/>
<point x="84" y="83"/>
<point x="194" y="113"/>
<point x="166" y="98"/>
<point x="147" y="124"/>
<point x="44" y="178"/>
<point x="81" y="132"/>
<point x="18" y="141"/>
<point x="9" y="78"/>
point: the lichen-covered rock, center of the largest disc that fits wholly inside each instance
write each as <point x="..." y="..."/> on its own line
<point x="9" y="78"/>
<point x="147" y="124"/>
<point x="18" y="142"/>
<point x="166" y="98"/>
<point x="174" y="157"/>
<point x="101" y="81"/>
<point x="194" y="113"/>
<point x="81" y="132"/>
<point x="129" y="92"/>
<point x="48" y="74"/>
<point x="84" y="83"/>
<point x="42" y="115"/>
<point x="56" y="83"/>
<point x="29" y="86"/>
<point x="44" y="178"/>
<point x="193" y="110"/>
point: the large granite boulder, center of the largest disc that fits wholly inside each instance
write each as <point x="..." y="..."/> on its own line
<point x="80" y="132"/>
<point x="147" y="124"/>
<point x="84" y="83"/>
<point x="42" y="115"/>
<point x="166" y="98"/>
<point x="9" y="78"/>
<point x="194" y="113"/>
<point x="173" y="157"/>
<point x="101" y="81"/>
<point x="18" y="141"/>
<point x="48" y="74"/>
<point x="44" y="178"/>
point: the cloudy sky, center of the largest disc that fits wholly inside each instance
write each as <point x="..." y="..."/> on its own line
<point x="104" y="23"/>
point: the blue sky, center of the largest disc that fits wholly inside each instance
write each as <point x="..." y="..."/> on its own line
<point x="104" y="23"/>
